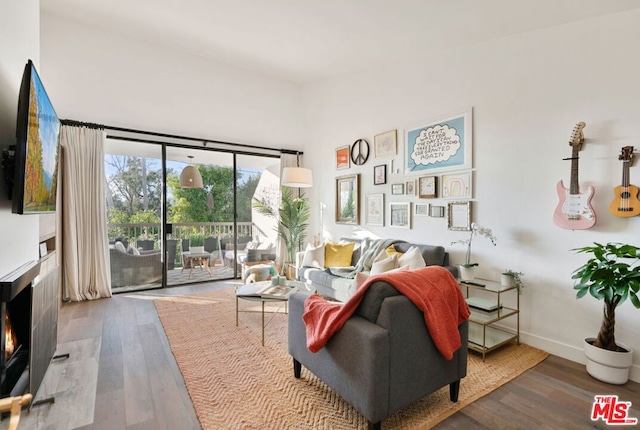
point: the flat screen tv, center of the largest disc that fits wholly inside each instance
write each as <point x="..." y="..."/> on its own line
<point x="36" y="153"/>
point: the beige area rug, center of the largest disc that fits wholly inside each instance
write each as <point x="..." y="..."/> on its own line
<point x="236" y="383"/>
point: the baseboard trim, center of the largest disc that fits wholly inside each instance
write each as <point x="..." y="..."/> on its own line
<point x="569" y="352"/>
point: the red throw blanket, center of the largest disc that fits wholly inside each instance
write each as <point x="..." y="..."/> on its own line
<point x="432" y="289"/>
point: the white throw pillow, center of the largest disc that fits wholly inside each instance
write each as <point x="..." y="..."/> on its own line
<point x="384" y="265"/>
<point x="413" y="258"/>
<point x="120" y="247"/>
<point x="313" y="256"/>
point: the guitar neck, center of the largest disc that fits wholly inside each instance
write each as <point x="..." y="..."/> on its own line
<point x="625" y="173"/>
<point x="574" y="188"/>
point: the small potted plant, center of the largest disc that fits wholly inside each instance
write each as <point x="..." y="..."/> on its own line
<point x="512" y="278"/>
<point x="612" y="274"/>
<point x="196" y="243"/>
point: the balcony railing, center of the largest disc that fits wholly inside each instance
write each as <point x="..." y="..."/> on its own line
<point x="134" y="233"/>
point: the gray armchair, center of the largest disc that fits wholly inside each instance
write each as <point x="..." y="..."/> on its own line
<point x="383" y="358"/>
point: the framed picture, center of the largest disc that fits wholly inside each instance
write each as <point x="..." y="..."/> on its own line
<point x="421" y="209"/>
<point x="347" y="199"/>
<point x="440" y="145"/>
<point x="456" y="185"/>
<point x="397" y="189"/>
<point x="342" y="158"/>
<point x="400" y="214"/>
<point x="436" y="211"/>
<point x="410" y="188"/>
<point x="428" y="187"/>
<point x="459" y="216"/>
<point x="380" y="174"/>
<point x="386" y="144"/>
<point x="374" y="206"/>
<point x="43" y="249"/>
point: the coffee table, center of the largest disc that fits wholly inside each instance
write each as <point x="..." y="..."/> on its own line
<point x="251" y="292"/>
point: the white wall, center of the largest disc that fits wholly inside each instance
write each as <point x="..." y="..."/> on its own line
<point x="19" y="41"/>
<point x="527" y="93"/>
<point x="101" y="77"/>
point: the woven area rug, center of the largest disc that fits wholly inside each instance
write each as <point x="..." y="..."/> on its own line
<point x="236" y="383"/>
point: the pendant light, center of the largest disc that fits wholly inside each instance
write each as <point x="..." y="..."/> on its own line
<point x="190" y="176"/>
<point x="297" y="177"/>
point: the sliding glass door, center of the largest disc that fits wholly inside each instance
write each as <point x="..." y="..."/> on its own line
<point x="199" y="220"/>
<point x="134" y="207"/>
<point x="212" y="231"/>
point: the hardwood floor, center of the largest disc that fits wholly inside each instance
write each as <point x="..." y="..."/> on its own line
<point x="121" y="375"/>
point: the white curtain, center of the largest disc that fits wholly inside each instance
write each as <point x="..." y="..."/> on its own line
<point x="85" y="246"/>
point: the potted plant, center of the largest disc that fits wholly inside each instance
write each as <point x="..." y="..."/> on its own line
<point x="196" y="243"/>
<point x="292" y="215"/>
<point x="512" y="278"/>
<point x="467" y="270"/>
<point x="612" y="274"/>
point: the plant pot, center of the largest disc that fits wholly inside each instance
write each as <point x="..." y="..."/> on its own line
<point x="196" y="249"/>
<point x="290" y="272"/>
<point x="506" y="280"/>
<point x="467" y="273"/>
<point x="607" y="366"/>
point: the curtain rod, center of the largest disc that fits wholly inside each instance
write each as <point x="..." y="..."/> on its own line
<point x="185" y="146"/>
<point x="175" y="136"/>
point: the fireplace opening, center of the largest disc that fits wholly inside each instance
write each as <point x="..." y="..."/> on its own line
<point x="15" y="344"/>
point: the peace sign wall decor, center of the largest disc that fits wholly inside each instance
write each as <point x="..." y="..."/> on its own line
<point x="359" y="152"/>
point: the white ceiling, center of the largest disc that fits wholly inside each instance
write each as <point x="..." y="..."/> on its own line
<point x="303" y="41"/>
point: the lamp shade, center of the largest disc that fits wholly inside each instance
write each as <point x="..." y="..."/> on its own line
<point x="191" y="177"/>
<point x="298" y="177"/>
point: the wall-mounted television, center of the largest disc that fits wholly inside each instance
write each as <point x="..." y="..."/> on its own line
<point x="36" y="152"/>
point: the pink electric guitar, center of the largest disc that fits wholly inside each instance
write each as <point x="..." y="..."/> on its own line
<point x="574" y="211"/>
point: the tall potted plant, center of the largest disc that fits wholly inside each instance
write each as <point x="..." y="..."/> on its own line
<point x="612" y="274"/>
<point x="292" y="215"/>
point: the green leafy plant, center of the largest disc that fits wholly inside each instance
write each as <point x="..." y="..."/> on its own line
<point x="611" y="274"/>
<point x="196" y="240"/>
<point x="292" y="215"/>
<point x="516" y="277"/>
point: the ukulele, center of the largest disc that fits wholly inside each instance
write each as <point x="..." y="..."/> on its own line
<point x="625" y="203"/>
<point x="574" y="210"/>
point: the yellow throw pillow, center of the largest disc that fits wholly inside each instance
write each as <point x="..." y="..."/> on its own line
<point x="391" y="251"/>
<point x="338" y="254"/>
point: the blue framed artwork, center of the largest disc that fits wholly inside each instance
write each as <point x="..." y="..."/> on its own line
<point x="440" y="145"/>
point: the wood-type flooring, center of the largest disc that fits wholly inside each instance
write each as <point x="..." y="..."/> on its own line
<point x="121" y="374"/>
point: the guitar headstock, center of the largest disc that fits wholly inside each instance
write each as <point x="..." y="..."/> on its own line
<point x="577" y="137"/>
<point x="626" y="154"/>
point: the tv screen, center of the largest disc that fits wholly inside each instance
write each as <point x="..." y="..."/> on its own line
<point x="36" y="156"/>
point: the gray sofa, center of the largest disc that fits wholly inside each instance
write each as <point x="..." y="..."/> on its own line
<point x="383" y="358"/>
<point x="338" y="288"/>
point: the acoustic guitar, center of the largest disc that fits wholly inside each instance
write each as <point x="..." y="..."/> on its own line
<point x="625" y="203"/>
<point x="574" y="210"/>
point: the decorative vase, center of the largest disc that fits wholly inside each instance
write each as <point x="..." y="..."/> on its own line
<point x="607" y="366"/>
<point x="467" y="273"/>
<point x="196" y="249"/>
<point x="506" y="280"/>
